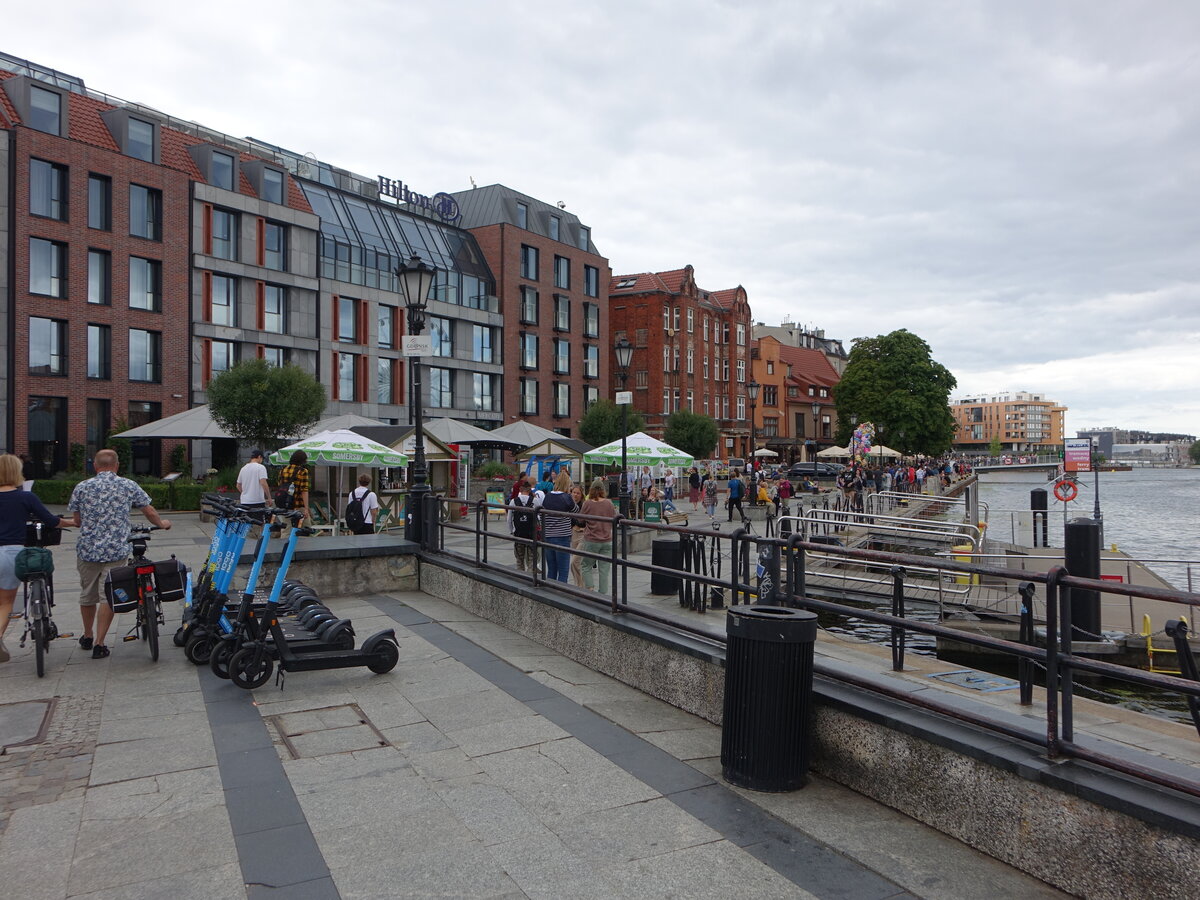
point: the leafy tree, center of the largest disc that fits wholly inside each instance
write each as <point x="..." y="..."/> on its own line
<point x="1194" y="453"/>
<point x="995" y="446"/>
<point x="602" y="423"/>
<point x="892" y="381"/>
<point x="265" y="405"/>
<point x="694" y="433"/>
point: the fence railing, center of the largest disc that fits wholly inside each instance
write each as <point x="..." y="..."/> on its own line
<point x="784" y="566"/>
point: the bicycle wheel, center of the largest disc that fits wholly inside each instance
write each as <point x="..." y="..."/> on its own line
<point x="250" y="668"/>
<point x="150" y="622"/>
<point x="37" y="630"/>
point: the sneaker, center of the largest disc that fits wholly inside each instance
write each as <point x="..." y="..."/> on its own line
<point x="4" y="654"/>
<point x="99" y="651"/>
<point x="85" y="642"/>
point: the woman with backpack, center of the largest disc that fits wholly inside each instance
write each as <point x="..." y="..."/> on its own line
<point x="292" y="491"/>
<point x="522" y="522"/>
<point x="361" y="506"/>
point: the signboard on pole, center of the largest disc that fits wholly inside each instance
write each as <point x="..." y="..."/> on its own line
<point x="624" y="398"/>
<point x="1078" y="455"/>
<point x="417" y="345"/>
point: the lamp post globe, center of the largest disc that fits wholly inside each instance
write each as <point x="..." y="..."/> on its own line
<point x="415" y="281"/>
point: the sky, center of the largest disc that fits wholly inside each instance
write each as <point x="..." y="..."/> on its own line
<point x="1016" y="182"/>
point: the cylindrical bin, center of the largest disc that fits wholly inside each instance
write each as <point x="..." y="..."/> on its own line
<point x="766" y="730"/>
<point x="668" y="553"/>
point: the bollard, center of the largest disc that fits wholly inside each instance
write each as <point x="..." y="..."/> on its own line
<point x="766" y="728"/>
<point x="1037" y="505"/>
<point x="1081" y="556"/>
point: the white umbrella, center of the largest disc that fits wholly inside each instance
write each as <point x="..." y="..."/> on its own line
<point x="341" y="448"/>
<point x="765" y="452"/>
<point x="194" y="423"/>
<point x="641" y="450"/>
<point x="835" y="453"/>
<point x="881" y="450"/>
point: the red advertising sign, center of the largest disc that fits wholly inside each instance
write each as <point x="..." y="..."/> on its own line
<point x="1077" y="455"/>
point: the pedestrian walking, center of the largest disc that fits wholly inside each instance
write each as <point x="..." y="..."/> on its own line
<point x="576" y="534"/>
<point x="556" y="528"/>
<point x="522" y="524"/>
<point x="736" y="490"/>
<point x="694" y="488"/>
<point x="710" y="496"/>
<point x="597" y="536"/>
<point x="361" y="507"/>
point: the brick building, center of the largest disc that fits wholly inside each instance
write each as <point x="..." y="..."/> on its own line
<point x="552" y="286"/>
<point x="691" y="351"/>
<point x="795" y="415"/>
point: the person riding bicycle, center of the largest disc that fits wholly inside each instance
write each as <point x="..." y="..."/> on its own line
<point x="101" y="506"/>
<point x="17" y="506"/>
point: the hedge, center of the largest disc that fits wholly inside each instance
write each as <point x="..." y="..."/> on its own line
<point x="187" y="496"/>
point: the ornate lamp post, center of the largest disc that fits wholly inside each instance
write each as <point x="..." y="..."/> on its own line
<point x="752" y="393"/>
<point x="624" y="353"/>
<point x="416" y="280"/>
<point x="816" y="413"/>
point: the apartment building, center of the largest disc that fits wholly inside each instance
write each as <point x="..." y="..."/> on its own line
<point x="1022" y="421"/>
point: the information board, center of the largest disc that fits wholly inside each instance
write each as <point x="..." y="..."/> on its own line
<point x="1077" y="455"/>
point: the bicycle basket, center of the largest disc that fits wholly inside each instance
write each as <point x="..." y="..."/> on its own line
<point x="170" y="576"/>
<point x="39" y="534"/>
<point x="32" y="562"/>
<point x="120" y="588"/>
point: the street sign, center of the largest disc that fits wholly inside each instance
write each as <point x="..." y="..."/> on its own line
<point x="417" y="345"/>
<point x="1078" y="454"/>
<point x="624" y="398"/>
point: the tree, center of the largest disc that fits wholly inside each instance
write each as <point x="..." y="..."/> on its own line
<point x="601" y="424"/>
<point x="1194" y="453"/>
<point x="693" y="433"/>
<point x="994" y="447"/>
<point x="265" y="405"/>
<point x="892" y="381"/>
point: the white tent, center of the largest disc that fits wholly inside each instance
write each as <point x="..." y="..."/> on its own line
<point x="523" y="434"/>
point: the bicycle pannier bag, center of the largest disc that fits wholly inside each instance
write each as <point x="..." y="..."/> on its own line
<point x="33" y="561"/>
<point x="120" y="588"/>
<point x="171" y="577"/>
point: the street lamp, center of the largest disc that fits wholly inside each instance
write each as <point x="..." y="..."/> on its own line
<point x="752" y="393"/>
<point x="416" y="280"/>
<point x="624" y="352"/>
<point x="816" y="412"/>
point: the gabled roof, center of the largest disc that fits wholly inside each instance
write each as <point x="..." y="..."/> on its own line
<point x="808" y="366"/>
<point x="674" y="281"/>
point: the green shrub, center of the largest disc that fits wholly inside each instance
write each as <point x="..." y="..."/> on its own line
<point x="494" y="469"/>
<point x="75" y="461"/>
<point x="179" y="458"/>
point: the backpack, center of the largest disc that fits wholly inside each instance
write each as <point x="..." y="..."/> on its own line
<point x="32" y="561"/>
<point x="356" y="518"/>
<point x="285" y="495"/>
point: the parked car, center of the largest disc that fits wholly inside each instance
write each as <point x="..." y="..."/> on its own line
<point x="824" y="470"/>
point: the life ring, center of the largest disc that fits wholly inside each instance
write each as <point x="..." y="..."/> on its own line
<point x="1066" y="490"/>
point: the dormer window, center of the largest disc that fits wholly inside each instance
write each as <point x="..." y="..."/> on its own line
<point x="141" y="139"/>
<point x="45" y="110"/>
<point x="222" y="170"/>
<point x="272" y="180"/>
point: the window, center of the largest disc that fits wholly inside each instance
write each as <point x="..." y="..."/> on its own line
<point x="590" y="396"/>
<point x="675" y="319"/>
<point x="274" y="356"/>
<point x="224" y="234"/>
<point x="47" y="346"/>
<point x="724" y="370"/>
<point x="591" y="281"/>
<point x="145" y="212"/>
<point x="706" y="368"/>
<point x="741" y="334"/>
<point x="274" y="309"/>
<point x="141" y="140"/>
<point x="275" y="246"/>
<point x="666" y="404"/>
<point x="591" y="320"/>
<point x="529" y="262"/>
<point x="562" y="313"/>
<point x="145" y="284"/>
<point x="99" y="277"/>
<point x="48" y="189"/>
<point x="222" y="356"/>
<point x="641" y="378"/>
<point x="562" y="356"/>
<point x="691" y="323"/>
<point x="770" y="367"/>
<point x="145" y="460"/>
<point x="272" y="186"/>
<point x="441" y="333"/>
<point x="741" y="370"/>
<point x="100" y="202"/>
<point x="825" y="426"/>
<point x="383" y="380"/>
<point x="347" y="368"/>
<point x="347" y="323"/>
<point x="591" y="361"/>
<point x="555" y="225"/>
<point x="523" y="215"/>
<point x="770" y="395"/>
<point x="48" y="435"/>
<point x="585" y="237"/>
<point x="145" y="355"/>
<point x="47" y="268"/>
<point x="387" y="326"/>
<point x="99" y="352"/>
<point x="666" y="359"/>
<point x="482" y="346"/>
<point x="691" y="399"/>
<point x="770" y="428"/>
<point x="562" y="399"/>
<point x="222" y="170"/>
<point x="99" y="419"/>
<point x="45" y="110"/>
<point x="562" y="272"/>
<point x="529" y="305"/>
<point x="706" y="328"/>
<point x="741" y="407"/>
<point x="529" y="396"/>
<point x="691" y="361"/>
<point x="529" y="348"/>
<point x="223" y="300"/>
<point x="441" y="388"/>
<point x="483" y="395"/>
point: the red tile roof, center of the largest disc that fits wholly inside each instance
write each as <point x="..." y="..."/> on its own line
<point x="673" y="281"/>
<point x="808" y="366"/>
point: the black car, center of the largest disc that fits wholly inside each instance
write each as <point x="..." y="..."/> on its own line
<point x="823" y="469"/>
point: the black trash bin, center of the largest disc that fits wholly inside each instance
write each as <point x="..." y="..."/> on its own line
<point x="766" y="729"/>
<point x="668" y="553"/>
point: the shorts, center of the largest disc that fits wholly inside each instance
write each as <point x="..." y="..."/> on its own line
<point x="91" y="577"/>
<point x="8" y="573"/>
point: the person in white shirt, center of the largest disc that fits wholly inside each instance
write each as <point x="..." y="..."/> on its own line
<point x="370" y="503"/>
<point x="252" y="481"/>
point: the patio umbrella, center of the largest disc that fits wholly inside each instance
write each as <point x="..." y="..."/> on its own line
<point x="641" y="450"/>
<point x="523" y="434"/>
<point x="341" y="448"/>
<point x="880" y="450"/>
<point x="194" y="423"/>
<point x="765" y="452"/>
<point x="835" y="453"/>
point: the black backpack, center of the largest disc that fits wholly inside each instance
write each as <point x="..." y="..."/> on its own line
<point x="355" y="517"/>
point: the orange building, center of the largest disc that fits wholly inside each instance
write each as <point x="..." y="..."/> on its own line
<point x="795" y="401"/>
<point x="1022" y="421"/>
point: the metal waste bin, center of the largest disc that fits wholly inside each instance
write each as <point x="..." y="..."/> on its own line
<point x="668" y="553"/>
<point x="766" y="730"/>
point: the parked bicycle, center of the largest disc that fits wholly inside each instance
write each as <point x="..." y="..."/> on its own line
<point x="35" y="568"/>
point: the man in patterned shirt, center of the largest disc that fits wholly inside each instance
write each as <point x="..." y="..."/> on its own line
<point x="101" y="506"/>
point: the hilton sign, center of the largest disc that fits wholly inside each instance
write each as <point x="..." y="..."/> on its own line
<point x="441" y="205"/>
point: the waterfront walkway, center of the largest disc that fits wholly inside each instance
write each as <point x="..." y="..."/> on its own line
<point x="484" y="765"/>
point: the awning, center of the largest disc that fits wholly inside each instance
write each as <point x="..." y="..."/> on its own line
<point x="191" y="424"/>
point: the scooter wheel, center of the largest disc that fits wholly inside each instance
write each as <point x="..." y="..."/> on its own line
<point x="247" y="672"/>
<point x="218" y="662"/>
<point x="180" y="636"/>
<point x="386" y="656"/>
<point x="342" y="639"/>
<point x="199" y="648"/>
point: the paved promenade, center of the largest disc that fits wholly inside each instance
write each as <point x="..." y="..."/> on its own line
<point x="484" y="765"/>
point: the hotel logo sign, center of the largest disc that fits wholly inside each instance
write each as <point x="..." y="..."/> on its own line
<point x="441" y="205"/>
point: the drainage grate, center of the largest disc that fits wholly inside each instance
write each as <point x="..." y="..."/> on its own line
<point x="323" y="732"/>
<point x="977" y="681"/>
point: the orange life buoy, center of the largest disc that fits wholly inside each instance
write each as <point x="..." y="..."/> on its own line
<point x="1066" y="490"/>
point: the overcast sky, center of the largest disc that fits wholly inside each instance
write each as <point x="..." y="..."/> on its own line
<point x="1014" y="181"/>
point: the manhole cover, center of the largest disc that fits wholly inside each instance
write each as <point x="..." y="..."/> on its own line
<point x="977" y="681"/>
<point x="24" y="723"/>
<point x="331" y="729"/>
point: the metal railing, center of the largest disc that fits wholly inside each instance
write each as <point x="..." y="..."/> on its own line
<point x="885" y="501"/>
<point x="821" y="521"/>
<point x="783" y="581"/>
